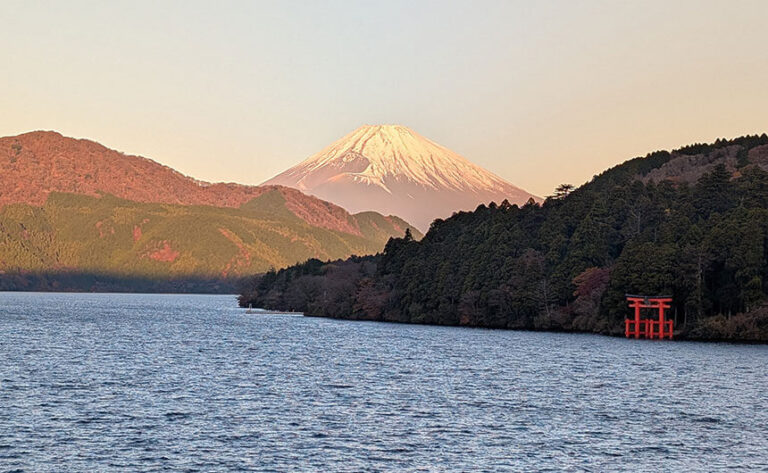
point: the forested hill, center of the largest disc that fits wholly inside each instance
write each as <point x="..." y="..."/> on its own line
<point x="76" y="215"/>
<point x="78" y="242"/>
<point x="692" y="223"/>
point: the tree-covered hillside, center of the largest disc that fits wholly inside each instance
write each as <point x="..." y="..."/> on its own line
<point x="82" y="242"/>
<point x="692" y="223"/>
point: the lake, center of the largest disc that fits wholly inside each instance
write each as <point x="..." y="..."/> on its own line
<point x="109" y="382"/>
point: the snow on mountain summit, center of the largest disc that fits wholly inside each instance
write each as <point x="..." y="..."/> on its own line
<point x="391" y="168"/>
<point x="389" y="151"/>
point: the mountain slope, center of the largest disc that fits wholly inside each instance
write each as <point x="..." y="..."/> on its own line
<point x="692" y="223"/>
<point x="73" y="207"/>
<point x="394" y="170"/>
<point x="120" y="238"/>
<point x="37" y="163"/>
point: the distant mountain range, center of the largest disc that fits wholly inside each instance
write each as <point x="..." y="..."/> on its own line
<point x="71" y="206"/>
<point x="393" y="170"/>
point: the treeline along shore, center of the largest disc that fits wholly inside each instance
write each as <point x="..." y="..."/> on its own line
<point x="692" y="223"/>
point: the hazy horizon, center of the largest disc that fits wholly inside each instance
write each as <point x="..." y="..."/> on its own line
<point x="538" y="94"/>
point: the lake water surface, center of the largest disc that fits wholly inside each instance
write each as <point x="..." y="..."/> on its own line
<point x="105" y="382"/>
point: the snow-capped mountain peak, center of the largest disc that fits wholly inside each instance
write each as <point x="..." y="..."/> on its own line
<point x="392" y="166"/>
<point x="390" y="151"/>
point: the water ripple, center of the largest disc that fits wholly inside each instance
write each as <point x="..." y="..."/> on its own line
<point x="191" y="383"/>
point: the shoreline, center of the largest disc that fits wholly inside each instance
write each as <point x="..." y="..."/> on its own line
<point x="677" y="338"/>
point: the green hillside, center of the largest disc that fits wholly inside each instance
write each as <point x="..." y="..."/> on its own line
<point x="116" y="238"/>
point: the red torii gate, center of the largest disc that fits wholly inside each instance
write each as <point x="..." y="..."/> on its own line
<point x="649" y="328"/>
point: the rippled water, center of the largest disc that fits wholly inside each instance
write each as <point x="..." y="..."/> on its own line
<point x="191" y="383"/>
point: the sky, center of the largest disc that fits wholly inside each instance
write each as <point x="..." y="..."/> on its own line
<point x="540" y="93"/>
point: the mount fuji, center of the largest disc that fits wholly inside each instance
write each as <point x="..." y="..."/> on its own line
<point x="394" y="170"/>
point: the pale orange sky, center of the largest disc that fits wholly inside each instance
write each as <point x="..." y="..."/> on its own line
<point x="538" y="92"/>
